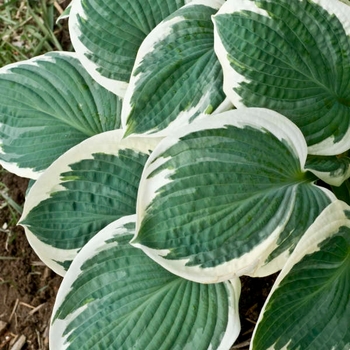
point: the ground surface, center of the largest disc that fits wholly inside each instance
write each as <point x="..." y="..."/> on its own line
<point x="27" y="287"/>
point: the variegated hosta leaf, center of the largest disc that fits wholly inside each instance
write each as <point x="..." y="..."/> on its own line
<point x="115" y="297"/>
<point x="332" y="170"/>
<point x="47" y="105"/>
<point x="292" y="56"/>
<point x="91" y="185"/>
<point x="65" y="13"/>
<point x="177" y="75"/>
<point x="309" y="305"/>
<point x="342" y="192"/>
<point x="227" y="196"/>
<point x="107" y="35"/>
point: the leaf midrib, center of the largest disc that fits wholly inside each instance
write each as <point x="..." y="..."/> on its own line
<point x="290" y="65"/>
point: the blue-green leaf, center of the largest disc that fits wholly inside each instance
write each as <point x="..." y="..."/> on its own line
<point x="227" y="195"/>
<point x="88" y="187"/>
<point x="333" y="170"/>
<point x="47" y="105"/>
<point x="292" y="56"/>
<point x="115" y="297"/>
<point x="309" y="305"/>
<point x="177" y="75"/>
<point x="342" y="192"/>
<point x="107" y="35"/>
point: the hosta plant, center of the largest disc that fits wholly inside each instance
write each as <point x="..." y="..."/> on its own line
<point x="182" y="145"/>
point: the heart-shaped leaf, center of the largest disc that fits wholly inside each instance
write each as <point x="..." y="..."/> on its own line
<point x="292" y="56"/>
<point x="177" y="75"/>
<point x="309" y="305"/>
<point x="107" y="35"/>
<point x="115" y="297"/>
<point x="91" y="185"/>
<point x="227" y="195"/>
<point x="47" y="105"/>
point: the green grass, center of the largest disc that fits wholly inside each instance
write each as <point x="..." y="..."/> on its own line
<point x="28" y="28"/>
<point x="14" y="209"/>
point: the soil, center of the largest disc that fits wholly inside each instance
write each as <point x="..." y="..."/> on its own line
<point x="28" y="288"/>
<point x="253" y="295"/>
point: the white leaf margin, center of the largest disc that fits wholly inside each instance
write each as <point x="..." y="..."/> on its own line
<point x="332" y="178"/>
<point x="11" y="166"/>
<point x="233" y="79"/>
<point x="118" y="87"/>
<point x="327" y="223"/>
<point x="248" y="264"/>
<point x="91" y="249"/>
<point x="147" y="46"/>
<point x="110" y="142"/>
<point x="333" y="7"/>
<point x="65" y="13"/>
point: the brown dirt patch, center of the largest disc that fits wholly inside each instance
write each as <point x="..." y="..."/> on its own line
<point x="27" y="287"/>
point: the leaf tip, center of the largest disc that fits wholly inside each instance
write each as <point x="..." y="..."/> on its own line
<point x="128" y="131"/>
<point x="135" y="242"/>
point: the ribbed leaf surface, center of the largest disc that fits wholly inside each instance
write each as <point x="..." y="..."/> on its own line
<point x="333" y="170"/>
<point x="227" y="195"/>
<point x="309" y="306"/>
<point x="107" y="35"/>
<point x="115" y="297"/>
<point x="343" y="192"/>
<point x="293" y="57"/>
<point x="47" y="105"/>
<point x="177" y="74"/>
<point x="91" y="185"/>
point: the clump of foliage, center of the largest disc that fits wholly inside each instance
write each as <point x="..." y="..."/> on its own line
<point x="182" y="145"/>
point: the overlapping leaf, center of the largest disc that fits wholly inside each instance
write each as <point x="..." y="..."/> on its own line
<point x="343" y="191"/>
<point x="176" y="75"/>
<point x="309" y="305"/>
<point x="47" y="105"/>
<point x="293" y="57"/>
<point x="332" y="170"/>
<point x="91" y="185"/>
<point x="115" y="297"/>
<point x="107" y="35"/>
<point x="227" y="196"/>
